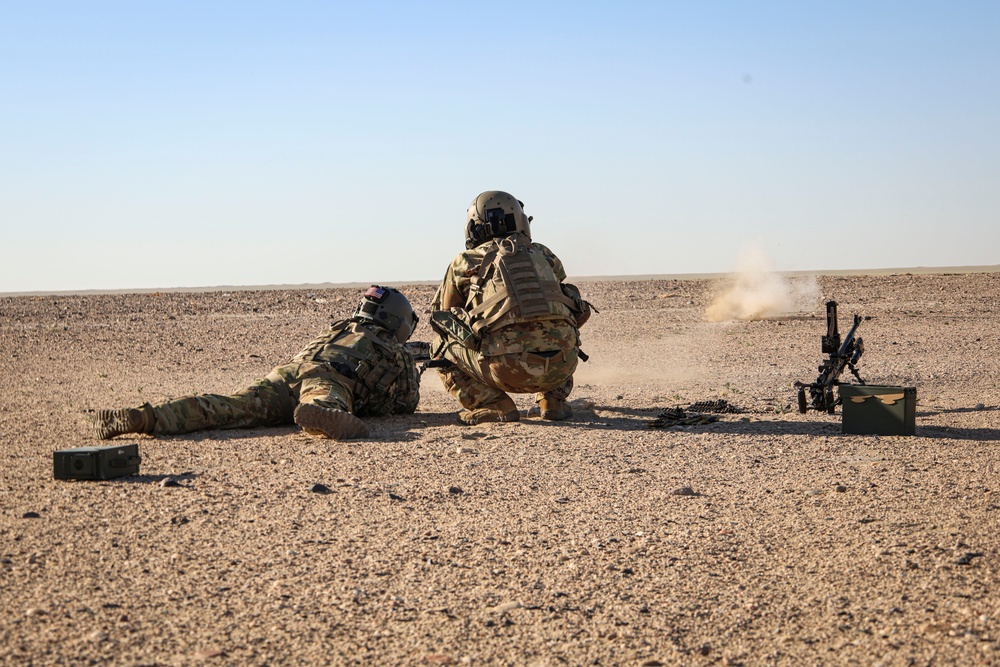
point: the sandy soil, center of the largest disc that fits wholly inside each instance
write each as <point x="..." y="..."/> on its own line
<point x="531" y="543"/>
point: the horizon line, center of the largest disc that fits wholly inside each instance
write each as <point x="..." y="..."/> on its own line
<point x="916" y="270"/>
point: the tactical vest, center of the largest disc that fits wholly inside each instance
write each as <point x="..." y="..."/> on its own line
<point x="372" y="374"/>
<point x="515" y="283"/>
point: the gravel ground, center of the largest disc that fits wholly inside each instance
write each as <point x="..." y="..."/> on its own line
<point x="765" y="538"/>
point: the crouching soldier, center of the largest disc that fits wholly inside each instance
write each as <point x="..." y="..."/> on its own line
<point x="358" y="368"/>
<point x="505" y="319"/>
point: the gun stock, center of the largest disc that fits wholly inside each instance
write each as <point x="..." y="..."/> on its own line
<point x="421" y="352"/>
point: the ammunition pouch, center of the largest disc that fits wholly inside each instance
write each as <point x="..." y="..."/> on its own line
<point x="451" y="325"/>
<point x="376" y="380"/>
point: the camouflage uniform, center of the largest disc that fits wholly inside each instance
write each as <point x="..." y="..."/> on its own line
<point x="536" y="356"/>
<point x="357" y="368"/>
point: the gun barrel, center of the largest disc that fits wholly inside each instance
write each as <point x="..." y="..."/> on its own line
<point x="831" y="319"/>
<point x="848" y="343"/>
<point x="831" y="341"/>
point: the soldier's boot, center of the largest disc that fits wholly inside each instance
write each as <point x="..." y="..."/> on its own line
<point x="502" y="409"/>
<point x="329" y="422"/>
<point x="555" y="409"/>
<point x="110" y="423"/>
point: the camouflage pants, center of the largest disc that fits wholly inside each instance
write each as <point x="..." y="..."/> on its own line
<point x="267" y="402"/>
<point x="476" y="379"/>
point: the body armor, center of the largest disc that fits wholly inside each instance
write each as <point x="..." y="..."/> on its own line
<point x="515" y="283"/>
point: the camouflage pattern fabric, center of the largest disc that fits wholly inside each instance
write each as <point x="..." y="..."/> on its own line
<point x="358" y="368"/>
<point x="454" y="289"/>
<point x="476" y="380"/>
<point x="528" y="357"/>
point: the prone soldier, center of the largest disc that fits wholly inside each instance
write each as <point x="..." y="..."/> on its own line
<point x="358" y="368"/>
<point x="505" y="319"/>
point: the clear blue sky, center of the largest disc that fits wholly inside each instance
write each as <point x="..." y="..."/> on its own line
<point x="168" y="144"/>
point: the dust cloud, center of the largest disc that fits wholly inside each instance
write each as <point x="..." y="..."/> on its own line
<point x="663" y="372"/>
<point x="673" y="359"/>
<point x="755" y="291"/>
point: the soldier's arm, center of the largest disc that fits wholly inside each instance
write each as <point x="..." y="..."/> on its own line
<point x="454" y="288"/>
<point x="555" y="262"/>
<point x="439" y="294"/>
<point x="582" y="311"/>
<point x="407" y="386"/>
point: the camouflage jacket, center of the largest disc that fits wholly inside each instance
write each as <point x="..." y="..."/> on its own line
<point x="559" y="326"/>
<point x="385" y="377"/>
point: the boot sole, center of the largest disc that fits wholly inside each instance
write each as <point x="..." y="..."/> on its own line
<point x="483" y="419"/>
<point x="334" y="424"/>
<point x="556" y="416"/>
<point x="111" y="423"/>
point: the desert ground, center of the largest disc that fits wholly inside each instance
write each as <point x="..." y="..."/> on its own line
<point x="765" y="538"/>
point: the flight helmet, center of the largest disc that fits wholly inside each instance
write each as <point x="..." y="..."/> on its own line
<point x="495" y="214"/>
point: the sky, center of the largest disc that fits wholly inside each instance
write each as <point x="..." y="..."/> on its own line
<point x="174" y="144"/>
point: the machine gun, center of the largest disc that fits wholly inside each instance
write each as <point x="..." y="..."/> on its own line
<point x="421" y="352"/>
<point x="841" y="355"/>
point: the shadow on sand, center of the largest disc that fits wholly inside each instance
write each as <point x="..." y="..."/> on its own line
<point x="632" y="420"/>
<point x="178" y="479"/>
<point x="404" y="427"/>
<point x="931" y="413"/>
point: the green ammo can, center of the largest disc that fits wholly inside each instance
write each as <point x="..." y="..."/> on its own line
<point x="870" y="409"/>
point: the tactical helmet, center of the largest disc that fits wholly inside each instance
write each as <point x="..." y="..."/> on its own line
<point x="494" y="214"/>
<point x="387" y="307"/>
